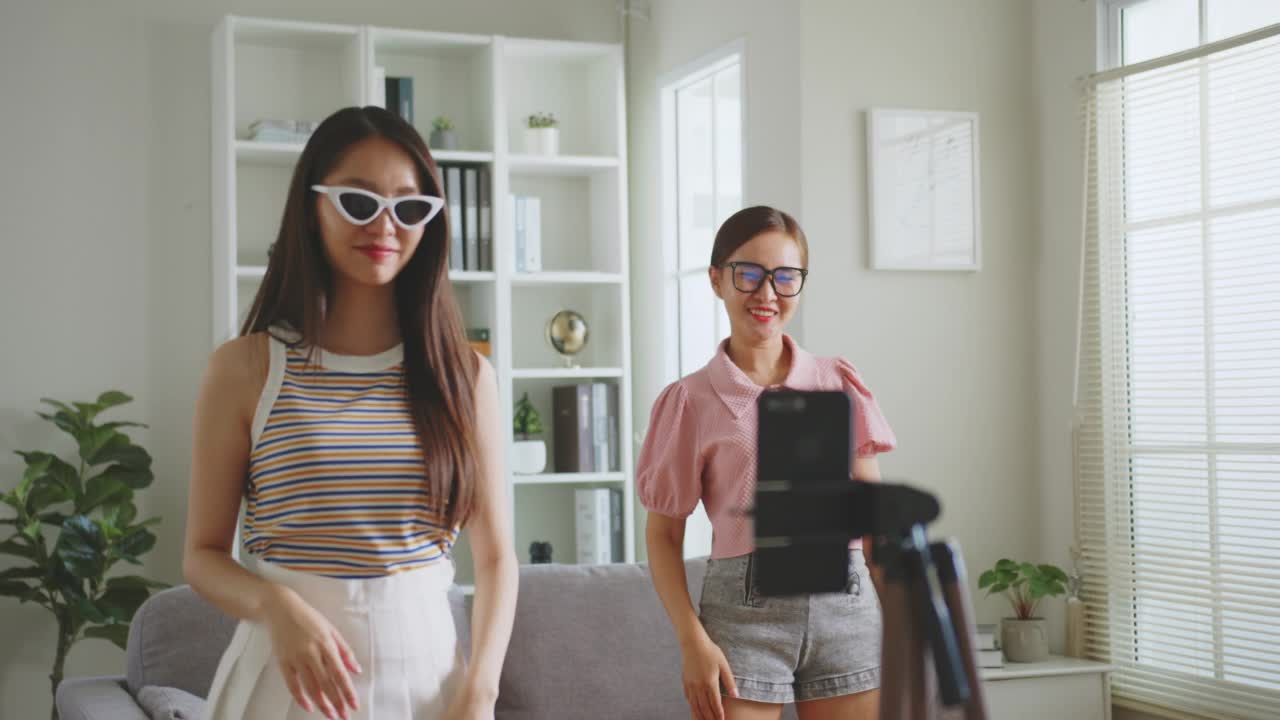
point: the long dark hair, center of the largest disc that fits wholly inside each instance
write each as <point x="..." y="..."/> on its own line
<point x="439" y="365"/>
<point x="747" y="223"/>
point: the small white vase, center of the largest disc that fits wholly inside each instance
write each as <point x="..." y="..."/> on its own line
<point x="528" y="457"/>
<point x="542" y="141"/>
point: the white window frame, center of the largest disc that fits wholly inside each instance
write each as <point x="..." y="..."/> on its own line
<point x="1110" y="28"/>
<point x="700" y="69"/>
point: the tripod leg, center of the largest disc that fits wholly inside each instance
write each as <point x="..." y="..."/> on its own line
<point x="894" y="649"/>
<point x="920" y="690"/>
<point x="950" y="565"/>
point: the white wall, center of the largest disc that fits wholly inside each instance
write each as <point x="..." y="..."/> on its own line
<point x="950" y="356"/>
<point x="1065" y="41"/>
<point x="104" y="233"/>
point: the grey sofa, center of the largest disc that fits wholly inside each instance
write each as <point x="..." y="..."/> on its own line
<point x="588" y="642"/>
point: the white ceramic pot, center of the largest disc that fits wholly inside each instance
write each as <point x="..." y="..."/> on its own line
<point x="542" y="141"/>
<point x="529" y="457"/>
<point x="1025" y="640"/>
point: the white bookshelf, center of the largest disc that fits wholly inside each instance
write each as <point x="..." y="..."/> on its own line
<point x="488" y="85"/>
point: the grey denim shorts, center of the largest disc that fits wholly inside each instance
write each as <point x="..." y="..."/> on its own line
<point x="798" y="648"/>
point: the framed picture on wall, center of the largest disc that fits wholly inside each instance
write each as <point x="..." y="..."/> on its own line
<point x="923" y="182"/>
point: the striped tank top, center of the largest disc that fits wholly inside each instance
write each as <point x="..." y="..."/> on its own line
<point x="336" y="477"/>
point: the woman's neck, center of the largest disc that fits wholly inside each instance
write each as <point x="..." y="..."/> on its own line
<point x="765" y="362"/>
<point x="360" y="320"/>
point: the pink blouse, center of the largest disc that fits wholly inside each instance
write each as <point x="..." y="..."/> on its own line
<point x="701" y="443"/>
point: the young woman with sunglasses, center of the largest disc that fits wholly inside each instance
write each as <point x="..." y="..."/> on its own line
<point x="361" y="432"/>
<point x="746" y="655"/>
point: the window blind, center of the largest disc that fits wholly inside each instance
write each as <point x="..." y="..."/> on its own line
<point x="1177" y="425"/>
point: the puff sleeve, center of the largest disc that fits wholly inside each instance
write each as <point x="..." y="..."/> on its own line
<point x="669" y="471"/>
<point x="871" y="430"/>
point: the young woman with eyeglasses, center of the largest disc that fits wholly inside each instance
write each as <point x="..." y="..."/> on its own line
<point x="361" y="433"/>
<point x="746" y="655"/>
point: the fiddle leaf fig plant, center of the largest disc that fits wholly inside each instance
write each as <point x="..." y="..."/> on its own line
<point x="73" y="521"/>
<point x="1024" y="585"/>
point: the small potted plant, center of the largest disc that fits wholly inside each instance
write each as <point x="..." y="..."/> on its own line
<point x="442" y="135"/>
<point x="528" y="456"/>
<point x="542" y="137"/>
<point x="1025" y="637"/>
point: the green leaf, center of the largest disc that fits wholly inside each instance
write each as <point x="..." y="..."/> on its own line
<point x="1028" y="569"/>
<point x="138" y="541"/>
<point x="65" y="421"/>
<point x="119" y="514"/>
<point x="65" y="410"/>
<point x="18" y="589"/>
<point x="37" y="467"/>
<point x="96" y="442"/>
<point x="88" y="611"/>
<point x="1053" y="572"/>
<point x="101" y="490"/>
<point x="58" y="483"/>
<point x="23" y="550"/>
<point x="32" y="530"/>
<point x="122" y="451"/>
<point x="69" y="585"/>
<point x="1006" y="565"/>
<point x="54" y="518"/>
<point x="998" y="588"/>
<point x="105" y="401"/>
<point x="987" y="578"/>
<point x="120" y="602"/>
<point x="18" y="573"/>
<point x="134" y="478"/>
<point x="80" y="546"/>
<point x="135" y="581"/>
<point x="118" y="633"/>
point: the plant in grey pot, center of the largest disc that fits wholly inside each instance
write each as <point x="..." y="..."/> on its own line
<point x="1025" y="637"/>
<point x="528" y="457"/>
<point x="442" y="135"/>
<point x="73" y="521"/>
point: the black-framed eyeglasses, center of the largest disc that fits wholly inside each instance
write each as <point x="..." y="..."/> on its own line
<point x="749" y="276"/>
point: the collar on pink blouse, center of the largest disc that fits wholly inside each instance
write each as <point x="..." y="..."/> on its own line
<point x="739" y="393"/>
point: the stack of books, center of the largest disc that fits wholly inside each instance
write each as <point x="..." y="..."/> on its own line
<point x="598" y="525"/>
<point x="467" y="191"/>
<point x="989" y="653"/>
<point x="586" y="428"/>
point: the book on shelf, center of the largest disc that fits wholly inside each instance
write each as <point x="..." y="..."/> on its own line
<point x="526" y="210"/>
<point x="479" y="340"/>
<point x="586" y="428"/>
<point x="453" y="195"/>
<point x="990" y="658"/>
<point x="985" y="637"/>
<point x="470" y="219"/>
<point x="616" y="524"/>
<point x="593" y="521"/>
<point x="399" y="97"/>
<point x="486" y="219"/>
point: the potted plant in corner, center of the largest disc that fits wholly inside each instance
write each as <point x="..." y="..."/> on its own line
<point x="542" y="137"/>
<point x="73" y="521"/>
<point x="1025" y="637"/>
<point x="442" y="135"/>
<point x="528" y="457"/>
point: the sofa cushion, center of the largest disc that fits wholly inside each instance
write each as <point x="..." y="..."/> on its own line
<point x="176" y="640"/>
<point x="593" y="641"/>
<point x="167" y="703"/>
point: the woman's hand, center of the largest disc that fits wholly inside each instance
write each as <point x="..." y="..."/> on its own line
<point x="705" y="668"/>
<point x="314" y="659"/>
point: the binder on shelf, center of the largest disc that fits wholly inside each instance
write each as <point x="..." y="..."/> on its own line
<point x="526" y="211"/>
<point x="600" y="426"/>
<point x="592" y="525"/>
<point x="470" y="223"/>
<point x="571" y="408"/>
<point x="399" y="97"/>
<point x="486" y="219"/>
<point x="533" y="234"/>
<point x="453" y="194"/>
<point x="517" y="217"/>
<point x="615" y="525"/>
